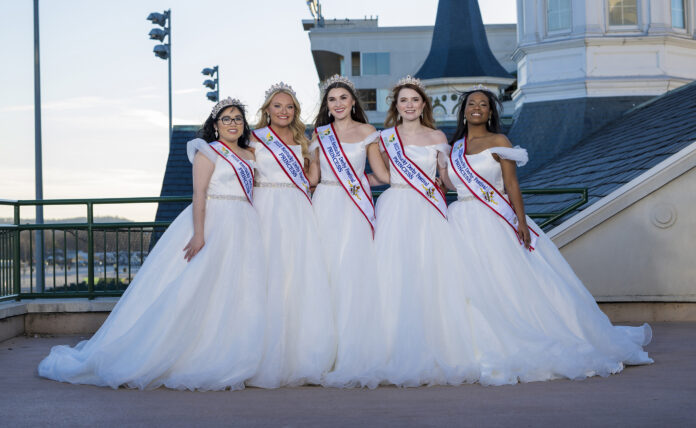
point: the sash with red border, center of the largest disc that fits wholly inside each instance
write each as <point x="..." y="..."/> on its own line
<point x="487" y="193"/>
<point x="245" y="173"/>
<point x="412" y="174"/>
<point x="285" y="157"/>
<point x="344" y="172"/>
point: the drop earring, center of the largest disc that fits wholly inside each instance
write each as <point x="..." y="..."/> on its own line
<point x="398" y="117"/>
<point x="268" y="118"/>
<point x="353" y="109"/>
<point x="216" y="133"/>
<point x="329" y="115"/>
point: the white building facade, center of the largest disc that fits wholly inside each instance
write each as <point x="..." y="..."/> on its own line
<point x="603" y="48"/>
<point x="375" y="57"/>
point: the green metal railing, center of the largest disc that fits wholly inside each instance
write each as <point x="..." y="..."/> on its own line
<point x="123" y="246"/>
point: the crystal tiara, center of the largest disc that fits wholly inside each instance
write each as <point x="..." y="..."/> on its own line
<point x="337" y="78"/>
<point x="280" y="87"/>
<point x="480" y="87"/>
<point x="225" y="103"/>
<point x="408" y="80"/>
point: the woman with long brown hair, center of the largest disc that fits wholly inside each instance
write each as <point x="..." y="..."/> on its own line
<point x="345" y="212"/>
<point x="426" y="325"/>
<point x="300" y="338"/>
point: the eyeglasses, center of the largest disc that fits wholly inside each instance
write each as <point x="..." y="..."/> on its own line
<point x="226" y="120"/>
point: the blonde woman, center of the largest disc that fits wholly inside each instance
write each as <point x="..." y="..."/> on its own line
<point x="300" y="343"/>
<point x="343" y="142"/>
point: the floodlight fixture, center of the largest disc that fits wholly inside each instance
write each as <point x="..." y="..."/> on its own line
<point x="213" y="83"/>
<point x="164" y="51"/>
<point x="161" y="51"/>
<point x="158" y="18"/>
<point x="158" y="34"/>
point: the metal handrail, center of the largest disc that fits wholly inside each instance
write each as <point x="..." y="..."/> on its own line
<point x="90" y="225"/>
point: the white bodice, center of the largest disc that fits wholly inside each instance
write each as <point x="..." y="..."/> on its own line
<point x="267" y="168"/>
<point x="487" y="167"/>
<point x="224" y="180"/>
<point x="426" y="157"/>
<point x="356" y="153"/>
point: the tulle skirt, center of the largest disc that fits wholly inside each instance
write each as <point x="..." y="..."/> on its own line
<point x="546" y="324"/>
<point x="427" y="336"/>
<point x="195" y="325"/>
<point x="349" y="251"/>
<point x="300" y="342"/>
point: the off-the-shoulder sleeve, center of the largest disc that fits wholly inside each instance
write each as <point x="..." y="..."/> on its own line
<point x="443" y="151"/>
<point x="517" y="154"/>
<point x="372" y="138"/>
<point x="199" y="145"/>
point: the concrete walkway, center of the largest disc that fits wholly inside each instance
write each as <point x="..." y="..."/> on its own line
<point x="662" y="394"/>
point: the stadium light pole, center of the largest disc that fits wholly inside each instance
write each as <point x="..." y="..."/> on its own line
<point x="38" y="162"/>
<point x="213" y="83"/>
<point x="164" y="50"/>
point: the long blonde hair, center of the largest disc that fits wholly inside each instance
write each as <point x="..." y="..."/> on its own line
<point x="296" y="126"/>
<point x="393" y="117"/>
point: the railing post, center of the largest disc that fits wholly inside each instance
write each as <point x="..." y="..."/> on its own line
<point x="90" y="250"/>
<point x="16" y="259"/>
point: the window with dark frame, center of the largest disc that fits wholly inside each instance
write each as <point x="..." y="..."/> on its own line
<point x="368" y="99"/>
<point x="355" y="63"/>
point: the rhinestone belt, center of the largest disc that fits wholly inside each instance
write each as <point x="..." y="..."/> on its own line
<point x="400" y="186"/>
<point x="228" y="197"/>
<point x="287" y="185"/>
<point x="472" y="197"/>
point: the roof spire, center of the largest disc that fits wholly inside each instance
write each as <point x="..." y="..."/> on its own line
<point x="460" y="47"/>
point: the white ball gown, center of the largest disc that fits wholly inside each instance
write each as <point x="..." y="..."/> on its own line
<point x="300" y="344"/>
<point x="428" y="336"/>
<point x="546" y="324"/>
<point x="349" y="251"/>
<point x="195" y="325"/>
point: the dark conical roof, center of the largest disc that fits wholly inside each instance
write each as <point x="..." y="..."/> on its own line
<point x="460" y="47"/>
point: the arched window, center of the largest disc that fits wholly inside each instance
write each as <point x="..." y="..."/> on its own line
<point x="623" y="13"/>
<point x="558" y="15"/>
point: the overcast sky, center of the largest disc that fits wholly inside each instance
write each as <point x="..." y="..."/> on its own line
<point x="104" y="92"/>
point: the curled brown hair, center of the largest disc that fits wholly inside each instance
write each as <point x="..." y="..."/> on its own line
<point x="323" y="118"/>
<point x="393" y="117"/>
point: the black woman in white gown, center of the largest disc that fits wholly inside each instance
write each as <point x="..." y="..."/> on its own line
<point x="546" y="323"/>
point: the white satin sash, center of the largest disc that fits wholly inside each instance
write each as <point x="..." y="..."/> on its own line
<point x="285" y="157"/>
<point x="483" y="191"/>
<point x="344" y="172"/>
<point x="411" y="173"/>
<point x="245" y="173"/>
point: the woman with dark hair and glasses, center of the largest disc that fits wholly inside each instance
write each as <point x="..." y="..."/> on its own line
<point x="546" y="323"/>
<point x="191" y="319"/>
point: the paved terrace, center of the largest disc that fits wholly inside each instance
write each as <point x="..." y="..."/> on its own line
<point x="663" y="394"/>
